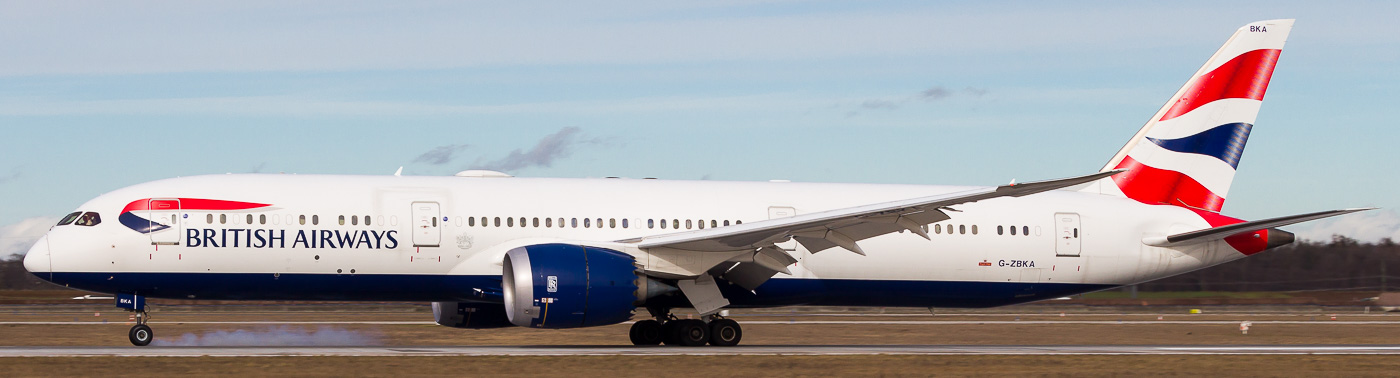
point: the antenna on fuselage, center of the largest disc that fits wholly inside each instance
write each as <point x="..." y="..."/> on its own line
<point x="399" y="172"/>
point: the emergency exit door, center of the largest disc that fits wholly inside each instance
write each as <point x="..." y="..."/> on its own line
<point x="163" y="216"/>
<point x="427" y="227"/>
<point x="775" y="212"/>
<point x="1067" y="234"/>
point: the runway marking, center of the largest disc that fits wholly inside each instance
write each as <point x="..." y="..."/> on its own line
<point x="697" y="351"/>
<point x="778" y="322"/>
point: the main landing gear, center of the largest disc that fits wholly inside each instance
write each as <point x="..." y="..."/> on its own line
<point x="666" y="328"/>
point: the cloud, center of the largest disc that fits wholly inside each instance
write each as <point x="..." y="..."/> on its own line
<point x="15" y="239"/>
<point x="1369" y="226"/>
<point x="879" y="104"/>
<point x="550" y="149"/>
<point x="441" y="154"/>
<point x="14" y="174"/>
<point x="935" y="93"/>
<point x="932" y="94"/>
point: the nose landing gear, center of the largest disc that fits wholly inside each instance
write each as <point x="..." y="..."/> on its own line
<point x="140" y="334"/>
<point x="666" y="328"/>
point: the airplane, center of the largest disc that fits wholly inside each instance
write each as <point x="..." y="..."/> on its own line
<point x="491" y="250"/>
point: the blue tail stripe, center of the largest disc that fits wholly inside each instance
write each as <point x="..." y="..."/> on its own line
<point x="1225" y="142"/>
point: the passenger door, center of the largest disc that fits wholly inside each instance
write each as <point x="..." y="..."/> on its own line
<point x="427" y="227"/>
<point x="775" y="212"/>
<point x="1067" y="234"/>
<point x="164" y="217"/>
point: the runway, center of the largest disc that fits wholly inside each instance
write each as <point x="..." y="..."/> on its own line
<point x="750" y="350"/>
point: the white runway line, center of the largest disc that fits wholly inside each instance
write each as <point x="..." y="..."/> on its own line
<point x="698" y="351"/>
<point x="780" y="322"/>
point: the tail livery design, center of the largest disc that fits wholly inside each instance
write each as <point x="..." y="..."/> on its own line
<point x="1186" y="155"/>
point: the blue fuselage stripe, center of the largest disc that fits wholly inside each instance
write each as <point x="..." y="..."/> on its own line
<point x="448" y="288"/>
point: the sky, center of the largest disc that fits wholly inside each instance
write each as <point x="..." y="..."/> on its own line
<point x="98" y="95"/>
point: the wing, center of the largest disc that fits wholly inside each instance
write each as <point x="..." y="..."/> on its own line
<point x="844" y="227"/>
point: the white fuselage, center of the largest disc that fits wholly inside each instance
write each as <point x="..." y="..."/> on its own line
<point x="1090" y="240"/>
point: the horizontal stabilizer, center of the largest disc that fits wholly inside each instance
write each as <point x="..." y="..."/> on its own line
<point x="1217" y="233"/>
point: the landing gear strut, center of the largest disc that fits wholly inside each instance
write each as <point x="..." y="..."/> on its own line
<point x="666" y="328"/>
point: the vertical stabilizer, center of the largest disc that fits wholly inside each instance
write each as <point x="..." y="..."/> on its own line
<point x="1187" y="153"/>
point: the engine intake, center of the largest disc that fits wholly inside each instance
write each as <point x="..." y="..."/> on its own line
<point x="568" y="286"/>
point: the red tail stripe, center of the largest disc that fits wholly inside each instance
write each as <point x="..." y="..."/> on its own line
<point x="197" y="204"/>
<point x="1245" y="76"/>
<point x="1159" y="186"/>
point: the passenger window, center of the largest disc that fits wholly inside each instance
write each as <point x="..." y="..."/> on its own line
<point x="315" y="219"/>
<point x="999" y="230"/>
<point x="367" y="220"/>
<point x="208" y="219"/>
<point x="354" y="220"/>
<point x="1026" y="230"/>
<point x="974" y="229"/>
<point x="600" y="223"/>
<point x="676" y="224"/>
<point x="498" y="221"/>
<point x="726" y="223"/>
<point x="713" y="223"/>
<point x="561" y="222"/>
<point x="663" y="224"/>
<point x="612" y="222"/>
<point x="510" y="222"/>
<point x="937" y="228"/>
<point x="1076" y="233"/>
<point x="434" y="221"/>
<point x="624" y="222"/>
<point x="587" y="223"/>
<point x="548" y="222"/>
<point x="962" y="229"/>
<point x="262" y="218"/>
<point x="535" y="222"/>
<point x="738" y="222"/>
<point x="573" y="222"/>
<point x="471" y="221"/>
<point x="223" y="218"/>
<point x="1013" y="230"/>
<point x="700" y="223"/>
<point x="88" y="219"/>
<point x="302" y="219"/>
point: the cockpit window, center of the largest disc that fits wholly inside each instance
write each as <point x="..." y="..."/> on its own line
<point x="88" y="219"/>
<point x="68" y="219"/>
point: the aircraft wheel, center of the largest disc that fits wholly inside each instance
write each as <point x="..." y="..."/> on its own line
<point x="646" y="332"/>
<point x="691" y="332"/>
<point x="141" y="335"/>
<point x="725" y="332"/>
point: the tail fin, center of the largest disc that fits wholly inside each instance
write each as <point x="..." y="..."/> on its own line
<point x="1187" y="153"/>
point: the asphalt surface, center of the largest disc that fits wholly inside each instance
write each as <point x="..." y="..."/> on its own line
<point x="672" y="351"/>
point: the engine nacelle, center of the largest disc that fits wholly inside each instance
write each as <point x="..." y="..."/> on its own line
<point x="568" y="286"/>
<point x="470" y="315"/>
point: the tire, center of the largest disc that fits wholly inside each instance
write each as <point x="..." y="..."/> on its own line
<point x="691" y="332"/>
<point x="141" y="335"/>
<point x="725" y="332"/>
<point x="645" y="332"/>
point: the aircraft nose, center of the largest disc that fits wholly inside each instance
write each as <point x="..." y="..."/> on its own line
<point x="37" y="260"/>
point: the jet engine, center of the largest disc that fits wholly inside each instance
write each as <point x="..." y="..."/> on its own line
<point x="568" y="286"/>
<point x="470" y="315"/>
